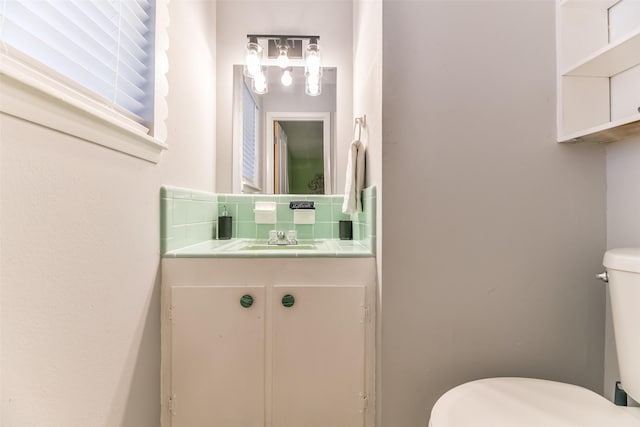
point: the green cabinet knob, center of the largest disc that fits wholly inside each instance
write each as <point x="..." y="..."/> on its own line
<point x="246" y="301"/>
<point x="288" y="300"/>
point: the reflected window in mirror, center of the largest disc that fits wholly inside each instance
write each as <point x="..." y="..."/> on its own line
<point x="250" y="142"/>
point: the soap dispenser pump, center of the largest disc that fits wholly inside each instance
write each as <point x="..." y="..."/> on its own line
<point x="224" y="225"/>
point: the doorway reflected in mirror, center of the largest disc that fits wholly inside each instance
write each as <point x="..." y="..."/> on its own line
<point x="298" y="157"/>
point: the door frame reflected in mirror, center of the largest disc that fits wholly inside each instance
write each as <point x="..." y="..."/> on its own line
<point x="272" y="118"/>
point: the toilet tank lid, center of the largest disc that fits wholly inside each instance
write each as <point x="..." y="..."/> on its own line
<point x="624" y="259"/>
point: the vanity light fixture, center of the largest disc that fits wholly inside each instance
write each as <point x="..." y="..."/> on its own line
<point x="285" y="51"/>
<point x="286" y="78"/>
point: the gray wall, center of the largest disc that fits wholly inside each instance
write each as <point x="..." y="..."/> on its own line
<point x="492" y="231"/>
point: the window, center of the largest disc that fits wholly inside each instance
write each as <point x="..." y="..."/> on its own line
<point x="250" y="140"/>
<point x="99" y="56"/>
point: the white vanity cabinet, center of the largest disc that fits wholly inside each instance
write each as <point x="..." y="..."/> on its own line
<point x="598" y="49"/>
<point x="318" y="362"/>
<point x="217" y="356"/>
<point x="280" y="342"/>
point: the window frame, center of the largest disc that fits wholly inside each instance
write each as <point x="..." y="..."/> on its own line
<point x="31" y="91"/>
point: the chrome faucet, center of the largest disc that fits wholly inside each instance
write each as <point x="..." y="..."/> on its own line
<point x="278" y="237"/>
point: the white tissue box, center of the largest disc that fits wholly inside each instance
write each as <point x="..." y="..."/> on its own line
<point x="265" y="212"/>
<point x="304" y="216"/>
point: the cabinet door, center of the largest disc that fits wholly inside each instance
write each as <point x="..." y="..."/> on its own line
<point x="217" y="356"/>
<point x="318" y="356"/>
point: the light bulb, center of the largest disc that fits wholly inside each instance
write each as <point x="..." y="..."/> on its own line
<point x="312" y="58"/>
<point x="253" y="65"/>
<point x="253" y="58"/>
<point x="313" y="64"/>
<point x="283" y="59"/>
<point x="283" y="49"/>
<point x="286" y="78"/>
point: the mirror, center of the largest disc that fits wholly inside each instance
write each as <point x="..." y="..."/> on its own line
<point x="284" y="139"/>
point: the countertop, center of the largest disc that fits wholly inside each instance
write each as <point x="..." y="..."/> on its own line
<point x="241" y="248"/>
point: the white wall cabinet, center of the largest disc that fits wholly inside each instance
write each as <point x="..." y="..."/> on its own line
<point x="300" y="355"/>
<point x="598" y="60"/>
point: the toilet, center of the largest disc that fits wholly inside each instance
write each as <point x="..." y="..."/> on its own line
<point x="528" y="402"/>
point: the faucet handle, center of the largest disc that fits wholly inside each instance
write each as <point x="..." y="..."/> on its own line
<point x="292" y="237"/>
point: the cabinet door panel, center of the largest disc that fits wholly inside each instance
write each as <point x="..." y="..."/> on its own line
<point x="217" y="350"/>
<point x="318" y="356"/>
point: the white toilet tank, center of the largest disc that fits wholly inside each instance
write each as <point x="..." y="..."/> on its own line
<point x="623" y="270"/>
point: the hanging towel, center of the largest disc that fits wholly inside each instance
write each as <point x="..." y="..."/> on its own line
<point x="355" y="178"/>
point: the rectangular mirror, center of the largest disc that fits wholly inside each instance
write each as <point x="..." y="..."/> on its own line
<point x="285" y="138"/>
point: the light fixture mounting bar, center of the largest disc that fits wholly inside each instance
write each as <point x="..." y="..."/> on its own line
<point x="295" y="45"/>
<point x="279" y="36"/>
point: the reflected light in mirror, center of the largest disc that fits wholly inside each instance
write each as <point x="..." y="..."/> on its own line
<point x="259" y="83"/>
<point x="312" y="86"/>
<point x="286" y="78"/>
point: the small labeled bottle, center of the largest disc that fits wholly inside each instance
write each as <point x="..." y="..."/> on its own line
<point x="224" y="225"/>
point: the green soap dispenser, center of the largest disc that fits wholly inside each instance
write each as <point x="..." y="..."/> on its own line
<point x="224" y="225"/>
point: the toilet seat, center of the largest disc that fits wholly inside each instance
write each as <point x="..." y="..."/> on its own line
<point x="527" y="402"/>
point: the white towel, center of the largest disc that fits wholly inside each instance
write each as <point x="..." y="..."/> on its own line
<point x="355" y="178"/>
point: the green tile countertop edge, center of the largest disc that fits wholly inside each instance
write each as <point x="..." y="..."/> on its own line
<point x="331" y="248"/>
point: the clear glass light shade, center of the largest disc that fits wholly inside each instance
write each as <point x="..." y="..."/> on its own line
<point x="259" y="82"/>
<point x="253" y="59"/>
<point x="283" y="58"/>
<point x="286" y="78"/>
<point x="312" y="59"/>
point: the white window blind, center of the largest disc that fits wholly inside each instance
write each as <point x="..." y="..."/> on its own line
<point x="249" y="137"/>
<point x="104" y="45"/>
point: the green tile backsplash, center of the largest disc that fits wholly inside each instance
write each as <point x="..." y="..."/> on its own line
<point x="188" y="216"/>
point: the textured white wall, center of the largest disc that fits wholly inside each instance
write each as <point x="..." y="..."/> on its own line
<point x="80" y="253"/>
<point x="190" y="160"/>
<point x="623" y="226"/>
<point x="492" y="230"/>
<point x="331" y="20"/>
